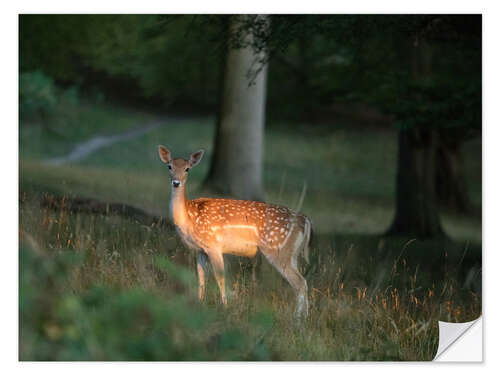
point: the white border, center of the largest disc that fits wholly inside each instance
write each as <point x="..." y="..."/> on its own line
<point x="491" y="123"/>
<point x="255" y="6"/>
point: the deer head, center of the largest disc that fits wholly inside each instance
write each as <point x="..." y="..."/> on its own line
<point x="179" y="168"/>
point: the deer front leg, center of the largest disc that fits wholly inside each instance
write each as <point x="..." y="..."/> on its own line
<point x="202" y="268"/>
<point x="217" y="261"/>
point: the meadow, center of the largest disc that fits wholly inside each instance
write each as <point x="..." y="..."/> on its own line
<point x="109" y="287"/>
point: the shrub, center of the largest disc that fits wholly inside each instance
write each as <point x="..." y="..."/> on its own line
<point x="105" y="324"/>
<point x="39" y="96"/>
<point x="37" y="92"/>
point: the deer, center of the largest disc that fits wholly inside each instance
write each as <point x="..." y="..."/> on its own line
<point x="213" y="227"/>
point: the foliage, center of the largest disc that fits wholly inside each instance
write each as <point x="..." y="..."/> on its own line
<point x="452" y="107"/>
<point x="37" y="92"/>
<point x="39" y="95"/>
<point x="435" y="75"/>
<point x="372" y="59"/>
<point x="103" y="323"/>
<point x="125" y="56"/>
<point x="316" y="61"/>
<point x="49" y="43"/>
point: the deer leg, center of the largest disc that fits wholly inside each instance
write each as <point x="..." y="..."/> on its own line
<point x="299" y="285"/>
<point x="256" y="265"/>
<point x="285" y="261"/>
<point x="217" y="261"/>
<point x="202" y="268"/>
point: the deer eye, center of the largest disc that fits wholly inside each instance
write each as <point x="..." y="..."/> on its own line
<point x="187" y="169"/>
<point x="169" y="166"/>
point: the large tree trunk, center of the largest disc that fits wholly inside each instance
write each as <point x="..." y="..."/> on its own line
<point x="451" y="186"/>
<point x="417" y="211"/>
<point x="238" y="153"/>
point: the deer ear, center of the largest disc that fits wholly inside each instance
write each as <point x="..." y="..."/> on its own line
<point x="196" y="158"/>
<point x="164" y="154"/>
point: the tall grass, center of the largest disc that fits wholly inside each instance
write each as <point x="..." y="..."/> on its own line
<point x="113" y="289"/>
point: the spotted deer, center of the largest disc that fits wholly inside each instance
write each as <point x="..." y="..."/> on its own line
<point x="213" y="227"/>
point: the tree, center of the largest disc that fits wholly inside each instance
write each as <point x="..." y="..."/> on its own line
<point x="236" y="167"/>
<point x="416" y="203"/>
<point x="451" y="185"/>
<point x="433" y="96"/>
<point x="441" y="107"/>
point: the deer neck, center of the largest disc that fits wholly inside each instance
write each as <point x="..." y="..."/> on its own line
<point x="178" y="208"/>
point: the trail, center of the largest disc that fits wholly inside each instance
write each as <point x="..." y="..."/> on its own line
<point x="86" y="148"/>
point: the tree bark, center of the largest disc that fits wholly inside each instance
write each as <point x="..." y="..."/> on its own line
<point x="417" y="212"/>
<point x="236" y="167"/>
<point x="450" y="179"/>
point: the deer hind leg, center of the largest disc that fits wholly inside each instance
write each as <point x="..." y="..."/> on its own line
<point x="299" y="285"/>
<point x="284" y="260"/>
<point x="217" y="261"/>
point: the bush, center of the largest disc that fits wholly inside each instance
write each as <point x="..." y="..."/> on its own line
<point x="37" y="92"/>
<point x="39" y="96"/>
<point x="105" y="324"/>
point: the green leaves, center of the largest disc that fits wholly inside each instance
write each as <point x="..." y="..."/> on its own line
<point x="36" y="92"/>
<point x="39" y="96"/>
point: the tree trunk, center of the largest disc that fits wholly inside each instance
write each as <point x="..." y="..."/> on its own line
<point x="236" y="167"/>
<point x="450" y="179"/>
<point x="417" y="211"/>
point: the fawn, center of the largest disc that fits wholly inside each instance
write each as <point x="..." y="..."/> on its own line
<point x="213" y="227"/>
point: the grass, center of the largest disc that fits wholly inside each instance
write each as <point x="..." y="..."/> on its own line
<point x="72" y="125"/>
<point x="372" y="297"/>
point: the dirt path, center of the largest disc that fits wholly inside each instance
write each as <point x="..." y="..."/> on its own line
<point x="86" y="148"/>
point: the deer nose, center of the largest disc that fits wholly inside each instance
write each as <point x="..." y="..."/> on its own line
<point x="176" y="183"/>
